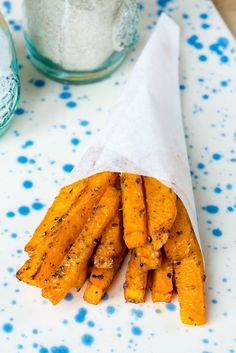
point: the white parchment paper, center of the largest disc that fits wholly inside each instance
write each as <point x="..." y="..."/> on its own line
<point x="144" y="134"/>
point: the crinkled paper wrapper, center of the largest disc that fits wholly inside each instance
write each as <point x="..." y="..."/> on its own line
<point x="144" y="134"/>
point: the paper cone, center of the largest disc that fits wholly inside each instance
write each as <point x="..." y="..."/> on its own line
<point x="144" y="134"/>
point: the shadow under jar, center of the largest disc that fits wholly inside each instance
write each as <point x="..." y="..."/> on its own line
<point x="79" y="41"/>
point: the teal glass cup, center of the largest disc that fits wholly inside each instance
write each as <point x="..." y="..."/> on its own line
<point x="79" y="41"/>
<point x="9" y="77"/>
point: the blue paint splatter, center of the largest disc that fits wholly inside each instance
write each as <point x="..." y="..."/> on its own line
<point x="37" y="206"/>
<point x="205" y="96"/>
<point x="216" y="156"/>
<point x="214" y="301"/>
<point x="215" y="48"/>
<point x="224" y="83"/>
<point x="84" y="123"/>
<point x="217" y="232"/>
<point x="136" y="330"/>
<point x="224" y="59"/>
<point x="193" y="41"/>
<point x="7" y="5"/>
<point x="28" y="144"/>
<point x="218" y="190"/>
<point x="10" y="214"/>
<point x="39" y="83"/>
<point x="201" y="165"/>
<point x="43" y="350"/>
<point x="185" y="16"/>
<point x="87" y="339"/>
<point x="13" y="235"/>
<point x="110" y="309"/>
<point x="27" y="184"/>
<point x="65" y="95"/>
<point x="219" y="47"/>
<point x="22" y="159"/>
<point x="204" y="16"/>
<point x="81" y="315"/>
<point x="7" y="327"/>
<point x="170" y="307"/>
<point x="60" y="349"/>
<point x="90" y="323"/>
<point x="69" y="297"/>
<point x="211" y="209"/>
<point x="229" y="186"/>
<point x="163" y="3"/>
<point x="19" y="111"/>
<point x="202" y="58"/>
<point x="205" y="25"/>
<point x="17" y="27"/>
<point x="223" y="42"/>
<point x="71" y="104"/>
<point x="24" y="210"/>
<point x="68" y="168"/>
<point x="75" y="141"/>
<point x="137" y="313"/>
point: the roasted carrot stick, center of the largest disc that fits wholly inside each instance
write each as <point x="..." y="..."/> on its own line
<point x="56" y="214"/>
<point x="134" y="212"/>
<point x="111" y="244"/>
<point x="77" y="259"/>
<point x="189" y="279"/>
<point x="101" y="279"/>
<point x="135" y="282"/>
<point x="183" y="251"/>
<point x="161" y="211"/>
<point x="38" y="269"/>
<point x="181" y="239"/>
<point x="147" y="258"/>
<point x="162" y="282"/>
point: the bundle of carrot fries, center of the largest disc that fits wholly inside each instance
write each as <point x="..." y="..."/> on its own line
<point x="91" y="226"/>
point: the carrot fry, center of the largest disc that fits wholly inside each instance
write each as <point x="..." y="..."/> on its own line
<point x="147" y="258"/>
<point x="68" y="273"/>
<point x="56" y="213"/>
<point x="183" y="251"/>
<point x="111" y="244"/>
<point x="134" y="212"/>
<point x="101" y="279"/>
<point x="181" y="239"/>
<point x="162" y="282"/>
<point x="161" y="211"/>
<point x="189" y="279"/>
<point x="135" y="282"/>
<point x="50" y="253"/>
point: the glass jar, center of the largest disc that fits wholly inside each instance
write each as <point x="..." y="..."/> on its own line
<point x="79" y="41"/>
<point x="9" y="77"/>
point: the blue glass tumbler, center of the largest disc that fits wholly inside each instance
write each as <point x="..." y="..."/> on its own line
<point x="9" y="77"/>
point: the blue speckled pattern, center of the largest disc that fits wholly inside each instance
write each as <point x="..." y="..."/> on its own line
<point x="53" y="125"/>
